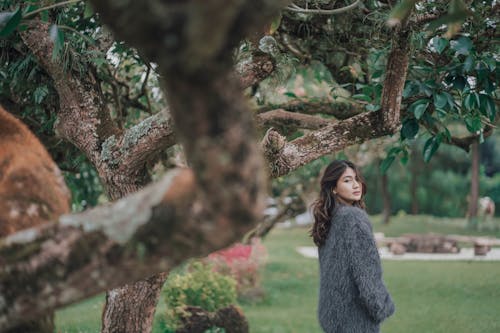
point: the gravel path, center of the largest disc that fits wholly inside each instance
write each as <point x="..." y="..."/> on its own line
<point x="466" y="254"/>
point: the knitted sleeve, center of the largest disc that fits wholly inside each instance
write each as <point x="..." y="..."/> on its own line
<point x="366" y="268"/>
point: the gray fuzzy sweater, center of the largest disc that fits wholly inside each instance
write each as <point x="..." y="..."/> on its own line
<point x="352" y="295"/>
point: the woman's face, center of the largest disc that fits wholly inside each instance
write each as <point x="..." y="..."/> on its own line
<point x="348" y="189"/>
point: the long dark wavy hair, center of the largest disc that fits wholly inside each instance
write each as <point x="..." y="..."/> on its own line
<point x="324" y="206"/>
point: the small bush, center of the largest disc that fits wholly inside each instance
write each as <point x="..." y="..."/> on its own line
<point x="199" y="286"/>
<point x="243" y="263"/>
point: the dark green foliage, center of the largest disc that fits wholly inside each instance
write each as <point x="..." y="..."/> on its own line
<point x="442" y="184"/>
<point x="83" y="182"/>
<point x="9" y="22"/>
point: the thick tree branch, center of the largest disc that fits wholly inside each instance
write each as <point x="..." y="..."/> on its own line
<point x="81" y="119"/>
<point x="84" y="254"/>
<point x="139" y="144"/>
<point x="394" y="81"/>
<point x="340" y="109"/>
<point x="290" y="120"/>
<point x="284" y="157"/>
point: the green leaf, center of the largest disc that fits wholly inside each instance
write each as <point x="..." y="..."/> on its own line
<point x="44" y="16"/>
<point x="30" y="8"/>
<point x="275" y="24"/>
<point x="468" y="64"/>
<point x="469" y="102"/>
<point x="440" y="100"/>
<point x="411" y="89"/>
<point x="57" y="36"/>
<point x="362" y="97"/>
<point x="439" y="44"/>
<point x="372" y="107"/>
<point x="451" y="101"/>
<point x="447" y="133"/>
<point x="9" y="22"/>
<point x="462" y="45"/>
<point x="473" y="123"/>
<point x="487" y="85"/>
<point x="425" y="89"/>
<point x="476" y="97"/>
<point x="430" y="147"/>
<point x="40" y="93"/>
<point x="491" y="62"/>
<point x="394" y="151"/>
<point x="290" y="94"/>
<point x="418" y="108"/>
<point x="404" y="158"/>
<point x="386" y="163"/>
<point x="409" y="129"/>
<point x="89" y="11"/>
<point x="368" y="90"/>
<point x="377" y="74"/>
<point x="487" y="106"/>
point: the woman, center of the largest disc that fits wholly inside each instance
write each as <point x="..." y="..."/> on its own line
<point x="352" y="295"/>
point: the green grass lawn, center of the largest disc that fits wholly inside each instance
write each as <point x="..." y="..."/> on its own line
<point x="430" y="297"/>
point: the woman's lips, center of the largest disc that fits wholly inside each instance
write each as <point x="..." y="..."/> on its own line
<point x="357" y="193"/>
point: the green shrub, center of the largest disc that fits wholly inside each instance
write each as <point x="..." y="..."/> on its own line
<point x="199" y="285"/>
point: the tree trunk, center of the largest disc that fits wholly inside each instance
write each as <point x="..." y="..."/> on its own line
<point x="131" y="308"/>
<point x="474" y="185"/>
<point x="386" y="213"/>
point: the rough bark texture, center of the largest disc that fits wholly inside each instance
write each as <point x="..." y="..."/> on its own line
<point x="284" y="157"/>
<point x="80" y="101"/>
<point x="256" y="70"/>
<point x="339" y="109"/>
<point x="102" y="248"/>
<point x="290" y="120"/>
<point x="394" y="81"/>
<point x="131" y="308"/>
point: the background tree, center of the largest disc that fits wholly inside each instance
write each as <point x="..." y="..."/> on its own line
<point x="102" y="97"/>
